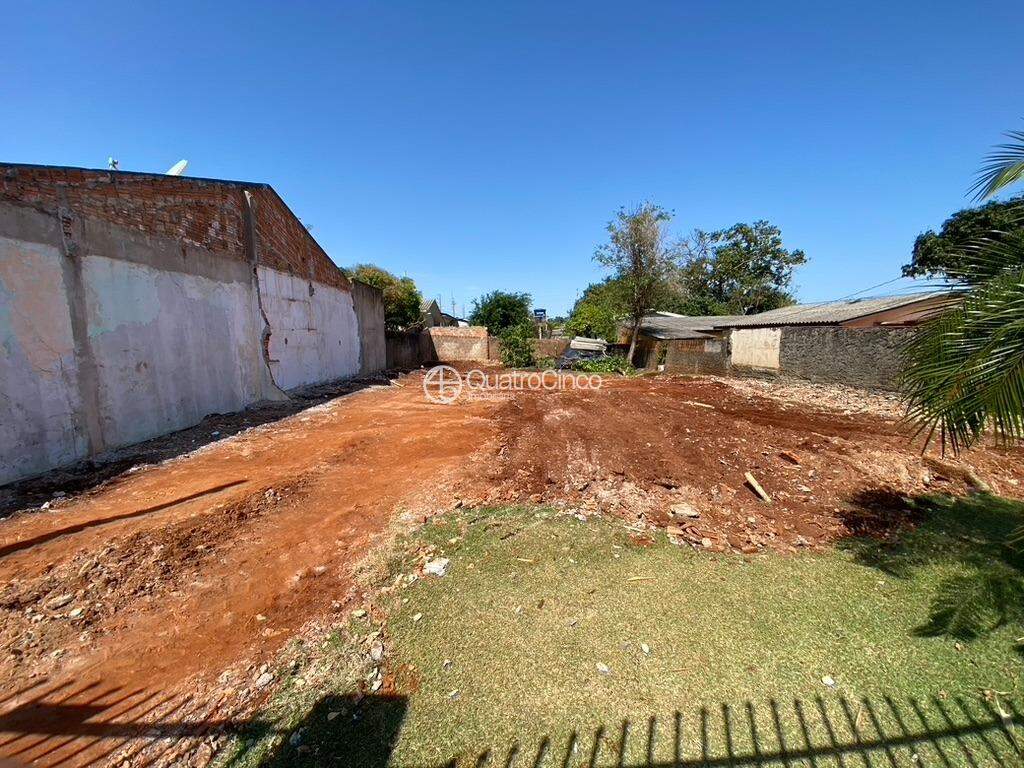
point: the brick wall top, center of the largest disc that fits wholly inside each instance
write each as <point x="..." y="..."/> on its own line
<point x="208" y="213"/>
<point x="472" y="331"/>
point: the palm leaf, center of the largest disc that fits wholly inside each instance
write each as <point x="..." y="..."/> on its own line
<point x="972" y="604"/>
<point x="1003" y="166"/>
<point x="964" y="371"/>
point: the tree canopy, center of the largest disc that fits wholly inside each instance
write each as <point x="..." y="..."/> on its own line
<point x="402" y="298"/>
<point x="596" y="314"/>
<point x="741" y="270"/>
<point x="500" y="310"/>
<point x="947" y="252"/>
<point x="642" y="258"/>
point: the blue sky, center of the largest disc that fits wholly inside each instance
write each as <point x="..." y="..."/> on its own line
<point x="484" y="145"/>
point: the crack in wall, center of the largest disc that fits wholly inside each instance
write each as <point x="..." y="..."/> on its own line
<point x="249" y="214"/>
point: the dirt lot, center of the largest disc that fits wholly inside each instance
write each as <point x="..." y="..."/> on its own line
<point x="161" y="591"/>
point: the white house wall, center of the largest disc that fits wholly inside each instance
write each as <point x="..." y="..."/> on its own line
<point x="755" y="347"/>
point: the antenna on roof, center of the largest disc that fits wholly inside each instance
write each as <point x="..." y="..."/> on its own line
<point x="112" y="163"/>
<point x="177" y="169"/>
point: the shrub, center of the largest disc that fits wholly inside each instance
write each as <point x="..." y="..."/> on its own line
<point x="402" y="298"/>
<point x="610" y="364"/>
<point x="517" y="349"/>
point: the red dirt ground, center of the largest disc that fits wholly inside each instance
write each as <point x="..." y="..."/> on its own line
<point x="133" y="598"/>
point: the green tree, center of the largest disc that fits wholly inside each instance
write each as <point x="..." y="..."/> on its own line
<point x="402" y="298"/>
<point x="499" y="310"/>
<point x="642" y="258"/>
<point x="964" y="370"/>
<point x="517" y="347"/>
<point x="596" y="314"/>
<point x="944" y="253"/>
<point x="741" y="270"/>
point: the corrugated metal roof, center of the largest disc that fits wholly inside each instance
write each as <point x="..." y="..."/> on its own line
<point x="827" y="313"/>
<point x="666" y="327"/>
<point x="588" y="344"/>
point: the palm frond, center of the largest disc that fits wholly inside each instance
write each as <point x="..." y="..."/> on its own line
<point x="964" y="371"/>
<point x="1003" y="166"/>
<point x="972" y="604"/>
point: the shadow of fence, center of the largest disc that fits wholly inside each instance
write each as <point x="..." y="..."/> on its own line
<point x="78" y="724"/>
<point x="90" y="724"/>
<point x="829" y="730"/>
<point x="727" y="737"/>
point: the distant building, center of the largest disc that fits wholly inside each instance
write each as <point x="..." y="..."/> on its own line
<point x="431" y="316"/>
<point x="853" y="341"/>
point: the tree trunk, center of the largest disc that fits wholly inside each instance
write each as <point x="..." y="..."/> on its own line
<point x="632" y="343"/>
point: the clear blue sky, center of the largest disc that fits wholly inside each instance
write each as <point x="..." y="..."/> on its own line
<point x="484" y="145"/>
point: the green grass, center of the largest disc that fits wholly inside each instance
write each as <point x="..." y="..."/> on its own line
<point x="504" y="659"/>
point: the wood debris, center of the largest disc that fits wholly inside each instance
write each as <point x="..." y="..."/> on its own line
<point x="756" y="486"/>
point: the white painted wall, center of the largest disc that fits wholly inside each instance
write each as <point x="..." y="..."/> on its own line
<point x="171" y="348"/>
<point x="314" y="336"/>
<point x="755" y="347"/>
<point x="38" y="373"/>
<point x="172" y="337"/>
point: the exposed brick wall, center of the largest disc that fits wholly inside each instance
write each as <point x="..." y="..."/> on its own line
<point x="286" y="245"/>
<point x="208" y="214"/>
<point x="459" y="344"/>
<point x="550" y="347"/>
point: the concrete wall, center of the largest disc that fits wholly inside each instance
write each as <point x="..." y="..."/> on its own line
<point x="550" y="347"/>
<point x="860" y="357"/>
<point x="456" y="345"/>
<point x="39" y="396"/>
<point x="116" y="327"/>
<point x="314" y="335"/>
<point x="368" y="303"/>
<point x="169" y="347"/>
<point x="755" y="347"/>
<point x="408" y="350"/>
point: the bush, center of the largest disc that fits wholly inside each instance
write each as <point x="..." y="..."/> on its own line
<point x="500" y="311"/>
<point x="610" y="364"/>
<point x="402" y="298"/>
<point x="517" y="349"/>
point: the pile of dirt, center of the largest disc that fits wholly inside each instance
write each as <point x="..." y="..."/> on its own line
<point x="675" y="454"/>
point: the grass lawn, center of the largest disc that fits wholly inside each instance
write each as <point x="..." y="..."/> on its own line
<point x="556" y="641"/>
